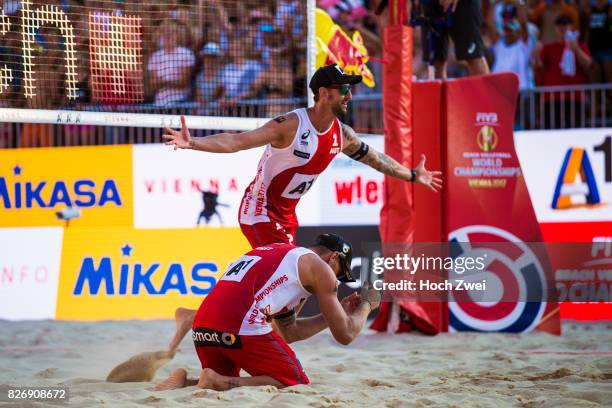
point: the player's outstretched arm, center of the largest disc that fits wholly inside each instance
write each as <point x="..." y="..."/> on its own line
<point x="274" y="132"/>
<point x="356" y="149"/>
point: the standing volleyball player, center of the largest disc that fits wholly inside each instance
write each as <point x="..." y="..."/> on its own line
<point x="299" y="146"/>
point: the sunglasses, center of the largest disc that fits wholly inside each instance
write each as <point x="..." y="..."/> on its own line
<point x="342" y="89"/>
<point x="346" y="276"/>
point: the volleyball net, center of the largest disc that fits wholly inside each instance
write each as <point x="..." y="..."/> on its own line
<point x="144" y="63"/>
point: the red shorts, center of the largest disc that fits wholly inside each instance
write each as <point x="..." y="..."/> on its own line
<point x="264" y="233"/>
<point x="259" y="355"/>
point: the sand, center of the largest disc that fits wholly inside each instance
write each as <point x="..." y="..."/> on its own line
<point x="408" y="370"/>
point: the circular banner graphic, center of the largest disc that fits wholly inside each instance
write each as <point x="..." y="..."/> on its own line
<point x="516" y="283"/>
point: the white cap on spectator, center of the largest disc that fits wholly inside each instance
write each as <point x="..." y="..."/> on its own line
<point x="210" y="48"/>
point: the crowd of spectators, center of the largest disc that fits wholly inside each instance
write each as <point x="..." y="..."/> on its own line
<point x="533" y="38"/>
<point x="213" y="52"/>
<point x="545" y="42"/>
<point x="221" y="52"/>
<point x="229" y="52"/>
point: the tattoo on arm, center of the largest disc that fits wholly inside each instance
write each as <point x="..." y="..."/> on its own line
<point x="357" y="150"/>
<point x="383" y="163"/>
<point x="280" y="119"/>
<point x="350" y="140"/>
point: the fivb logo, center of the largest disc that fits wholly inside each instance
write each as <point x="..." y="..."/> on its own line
<point x="486" y="136"/>
<point x="136" y="275"/>
<point x="576" y="162"/>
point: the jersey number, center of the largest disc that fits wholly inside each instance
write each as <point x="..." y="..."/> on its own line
<point x="237" y="270"/>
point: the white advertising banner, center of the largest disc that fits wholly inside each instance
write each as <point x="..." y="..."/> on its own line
<point x="568" y="173"/>
<point x="169" y="186"/>
<point x="29" y="272"/>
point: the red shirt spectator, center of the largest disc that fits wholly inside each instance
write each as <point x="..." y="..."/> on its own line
<point x="552" y="53"/>
<point x="551" y="65"/>
<point x="564" y="62"/>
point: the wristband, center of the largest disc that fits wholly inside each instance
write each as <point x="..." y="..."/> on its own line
<point x="413" y="172"/>
<point x="361" y="152"/>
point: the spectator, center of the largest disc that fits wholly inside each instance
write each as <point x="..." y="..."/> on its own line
<point x="335" y="7"/>
<point x="208" y="81"/>
<point x="461" y="19"/>
<point x="261" y="22"/>
<point x="46" y="86"/>
<point x="236" y="25"/>
<point x="546" y="13"/>
<point x="273" y="42"/>
<point x="298" y="48"/>
<point x="512" y="51"/>
<point x="509" y="9"/>
<point x="171" y="66"/>
<point x="274" y="85"/>
<point x="600" y="39"/>
<point x="564" y="62"/>
<point x="239" y="73"/>
<point x="289" y="19"/>
<point x="350" y="24"/>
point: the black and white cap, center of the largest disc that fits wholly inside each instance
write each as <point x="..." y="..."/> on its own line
<point x="330" y="75"/>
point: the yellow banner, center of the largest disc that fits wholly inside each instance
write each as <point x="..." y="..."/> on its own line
<point x="334" y="46"/>
<point x="124" y="273"/>
<point x="35" y="184"/>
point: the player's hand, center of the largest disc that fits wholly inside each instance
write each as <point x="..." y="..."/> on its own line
<point x="449" y="4"/>
<point x="180" y="139"/>
<point x="351" y="302"/>
<point x="428" y="178"/>
<point x="370" y="295"/>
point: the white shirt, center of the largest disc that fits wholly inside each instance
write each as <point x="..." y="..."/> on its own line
<point x="168" y="66"/>
<point x="513" y="58"/>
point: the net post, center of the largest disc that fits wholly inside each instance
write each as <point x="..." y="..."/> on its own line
<point x="311" y="47"/>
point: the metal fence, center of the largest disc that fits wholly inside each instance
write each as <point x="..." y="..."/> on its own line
<point x="538" y="108"/>
<point x="563" y="107"/>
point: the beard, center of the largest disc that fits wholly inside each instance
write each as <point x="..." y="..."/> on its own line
<point x="338" y="110"/>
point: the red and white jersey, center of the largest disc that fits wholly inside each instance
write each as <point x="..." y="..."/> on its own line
<point x="258" y="285"/>
<point x="285" y="175"/>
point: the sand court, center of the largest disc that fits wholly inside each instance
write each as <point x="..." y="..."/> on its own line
<point x="448" y="370"/>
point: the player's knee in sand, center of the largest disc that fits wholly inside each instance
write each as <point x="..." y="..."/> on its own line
<point x="232" y="335"/>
